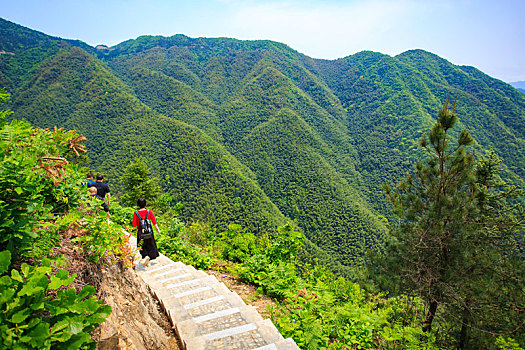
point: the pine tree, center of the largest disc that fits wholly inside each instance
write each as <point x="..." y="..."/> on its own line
<point x="492" y="287"/>
<point x="456" y="236"/>
<point x="139" y="183"/>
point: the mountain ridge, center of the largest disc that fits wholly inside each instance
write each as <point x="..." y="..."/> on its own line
<point x="258" y="133"/>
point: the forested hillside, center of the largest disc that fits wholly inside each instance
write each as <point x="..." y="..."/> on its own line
<point x="255" y="133"/>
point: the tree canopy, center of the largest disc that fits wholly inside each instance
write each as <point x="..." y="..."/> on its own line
<point x="254" y="132"/>
<point x="458" y="238"/>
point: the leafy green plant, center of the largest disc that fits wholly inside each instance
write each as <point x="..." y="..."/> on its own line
<point x="279" y="280"/>
<point x="31" y="318"/>
<point x="284" y="244"/>
<point x="36" y="179"/>
<point x="38" y="185"/>
<point x="308" y="331"/>
<point x="237" y="244"/>
<point x="507" y="344"/>
<point x="180" y="250"/>
<point x="104" y="239"/>
<point x="399" y="336"/>
<point x="138" y="183"/>
<point x="121" y="215"/>
<point x="198" y="233"/>
<point x="175" y="227"/>
<point x="22" y="203"/>
<point x="253" y="268"/>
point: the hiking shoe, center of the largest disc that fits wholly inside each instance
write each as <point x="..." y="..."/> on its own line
<point x="146" y="261"/>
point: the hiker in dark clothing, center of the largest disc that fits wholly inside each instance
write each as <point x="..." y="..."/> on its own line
<point x="93" y="193"/>
<point x="102" y="189"/>
<point x="149" y="250"/>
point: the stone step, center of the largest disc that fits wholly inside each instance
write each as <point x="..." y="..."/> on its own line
<point x="259" y="335"/>
<point x="204" y="312"/>
<point x="285" y="344"/>
<point x="218" y="321"/>
<point x="203" y="299"/>
<point x="172" y="274"/>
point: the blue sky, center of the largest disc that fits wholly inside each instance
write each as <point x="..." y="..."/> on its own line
<point x="489" y="35"/>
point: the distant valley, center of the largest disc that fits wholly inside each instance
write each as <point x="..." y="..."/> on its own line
<point x="256" y="133"/>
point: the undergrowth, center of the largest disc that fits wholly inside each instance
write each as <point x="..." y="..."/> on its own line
<point x="42" y="203"/>
<point x="314" y="307"/>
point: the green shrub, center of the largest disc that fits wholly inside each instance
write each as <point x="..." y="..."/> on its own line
<point x="308" y="331"/>
<point x="253" y="268"/>
<point x="198" y="232"/>
<point x="105" y="239"/>
<point x="175" y="227"/>
<point x="121" y="215"/>
<point x="178" y="249"/>
<point x="279" y="280"/>
<point x="284" y="245"/>
<point x="507" y="344"/>
<point x="238" y="244"/>
<point x="31" y="319"/>
<point x="36" y="181"/>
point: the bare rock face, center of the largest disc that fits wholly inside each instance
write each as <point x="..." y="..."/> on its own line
<point x="136" y="322"/>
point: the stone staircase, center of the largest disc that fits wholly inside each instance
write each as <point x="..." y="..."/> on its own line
<point x="204" y="312"/>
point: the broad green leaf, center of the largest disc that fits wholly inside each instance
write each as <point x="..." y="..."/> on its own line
<point x="86" y="292"/>
<point x="29" y="290"/>
<point x="89" y="305"/>
<point x="25" y="269"/>
<point x="16" y="276"/>
<point x="34" y="321"/>
<point x="76" y="325"/>
<point x="24" y="339"/>
<point x="6" y="295"/>
<point x="62" y="336"/>
<point x="100" y="316"/>
<point x="77" y="341"/>
<point x="55" y="308"/>
<point x="38" y="335"/>
<point x="20" y="316"/>
<point x="61" y="279"/>
<point x="46" y="263"/>
<point x="13" y="303"/>
<point x="38" y="302"/>
<point x="43" y="282"/>
<point x="68" y="296"/>
<point x="43" y="269"/>
<point x="5" y="261"/>
<point x="59" y="326"/>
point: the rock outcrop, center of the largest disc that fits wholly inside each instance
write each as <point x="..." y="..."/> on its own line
<point x="136" y="321"/>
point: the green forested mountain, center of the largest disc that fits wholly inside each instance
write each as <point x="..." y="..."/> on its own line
<point x="254" y="132"/>
<point x="84" y="96"/>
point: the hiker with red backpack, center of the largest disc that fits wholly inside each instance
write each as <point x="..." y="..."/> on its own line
<point x="144" y="220"/>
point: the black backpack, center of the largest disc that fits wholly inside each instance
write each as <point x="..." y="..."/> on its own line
<point x="145" y="230"/>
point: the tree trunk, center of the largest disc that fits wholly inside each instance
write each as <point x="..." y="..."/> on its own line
<point x="463" y="338"/>
<point x="427" y="325"/>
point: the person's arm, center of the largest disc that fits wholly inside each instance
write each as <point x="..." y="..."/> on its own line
<point x="109" y="198"/>
<point x="135" y="220"/>
<point x="153" y="220"/>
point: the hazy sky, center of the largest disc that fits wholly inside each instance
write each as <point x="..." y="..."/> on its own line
<point x="489" y="35"/>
